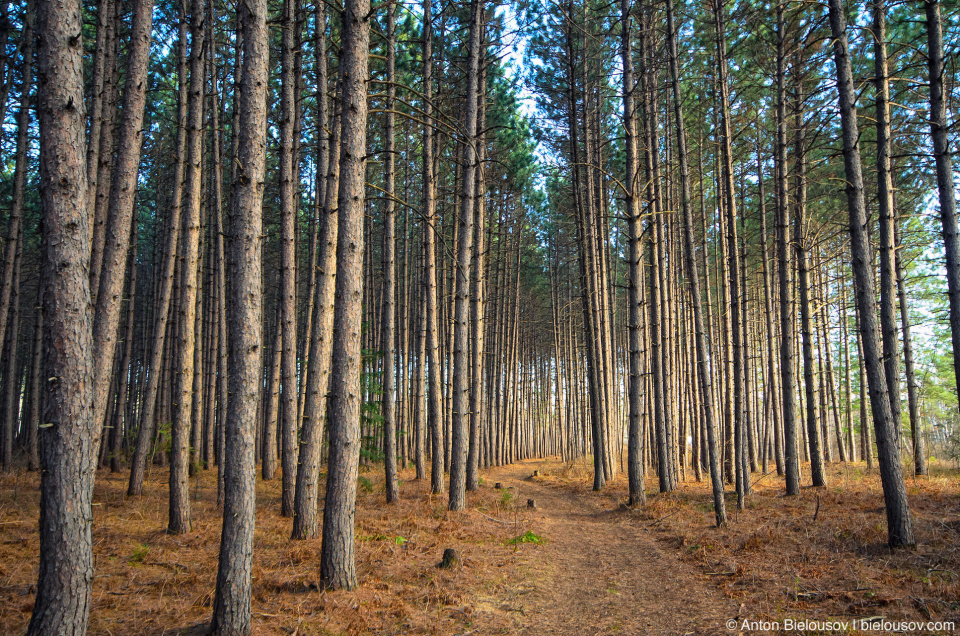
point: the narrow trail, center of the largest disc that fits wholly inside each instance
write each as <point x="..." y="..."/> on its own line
<point x="602" y="572"/>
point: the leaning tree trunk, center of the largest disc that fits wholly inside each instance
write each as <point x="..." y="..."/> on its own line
<point x="165" y="293"/>
<point x="68" y="440"/>
<point x="690" y="265"/>
<point x="885" y="208"/>
<point x="337" y="558"/>
<point x="945" y="176"/>
<point x="899" y="525"/>
<point x="231" y="603"/>
<point x="123" y="189"/>
<point x="15" y="229"/>
<point x="814" y="439"/>
<point x="305" y="519"/>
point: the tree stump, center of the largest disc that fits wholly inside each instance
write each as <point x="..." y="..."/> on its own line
<point x="450" y="558"/>
<point x="532" y="504"/>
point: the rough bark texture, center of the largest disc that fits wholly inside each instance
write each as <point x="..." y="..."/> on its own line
<point x="305" y="520"/>
<point x="635" y="463"/>
<point x="945" y="176"/>
<point x="885" y="208"/>
<point x="184" y="370"/>
<point x="788" y="378"/>
<point x="69" y="433"/>
<point x="690" y="265"/>
<point x="814" y="438"/>
<point x="231" y="604"/>
<point x="288" y="263"/>
<point x="123" y="188"/>
<point x="388" y="321"/>
<point x="15" y="227"/>
<point x="165" y="293"/>
<point x="337" y="558"/>
<point x="431" y="327"/>
<point x="899" y="525"/>
<point x="461" y="332"/>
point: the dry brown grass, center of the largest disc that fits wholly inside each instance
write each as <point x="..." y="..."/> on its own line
<point x="781" y="558"/>
<point x="148" y="582"/>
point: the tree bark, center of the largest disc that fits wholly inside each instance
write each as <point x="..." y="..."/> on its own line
<point x="431" y="329"/>
<point x="788" y="380"/>
<point x="231" y="604"/>
<point x="164" y="296"/>
<point x="388" y="324"/>
<point x="885" y="208"/>
<point x="68" y="439"/>
<point x="945" y="176"/>
<point x="690" y="264"/>
<point x="635" y="464"/>
<point x="461" y="336"/>
<point x="289" y="176"/>
<point x="899" y="525"/>
<point x="189" y="254"/>
<point x="337" y="557"/>
<point x="123" y="187"/>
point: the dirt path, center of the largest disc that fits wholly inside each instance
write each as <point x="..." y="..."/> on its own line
<point x="601" y="572"/>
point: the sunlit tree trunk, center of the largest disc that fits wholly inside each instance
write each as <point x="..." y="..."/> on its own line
<point x="899" y="524"/>
<point x="690" y="265"/>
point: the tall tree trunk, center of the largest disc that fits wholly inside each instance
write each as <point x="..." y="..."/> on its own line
<point x="11" y="380"/>
<point x="478" y="286"/>
<point x="164" y="296"/>
<point x="433" y="376"/>
<point x="68" y="442"/>
<point x="120" y="420"/>
<point x="800" y="243"/>
<point x="885" y="205"/>
<point x="189" y="257"/>
<point x="231" y="604"/>
<point x="21" y="167"/>
<point x="788" y="379"/>
<point x="289" y="177"/>
<point x="635" y="467"/>
<point x="305" y="518"/>
<point x="690" y="264"/>
<point x="461" y="337"/>
<point x="337" y="559"/>
<point x="123" y="188"/>
<point x="899" y="525"/>
<point x="733" y="253"/>
<point x="389" y="319"/>
<point x="913" y="399"/>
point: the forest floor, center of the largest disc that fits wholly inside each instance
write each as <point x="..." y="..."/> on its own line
<point x="580" y="563"/>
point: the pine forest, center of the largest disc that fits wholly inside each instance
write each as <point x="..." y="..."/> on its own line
<point x="478" y="317"/>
